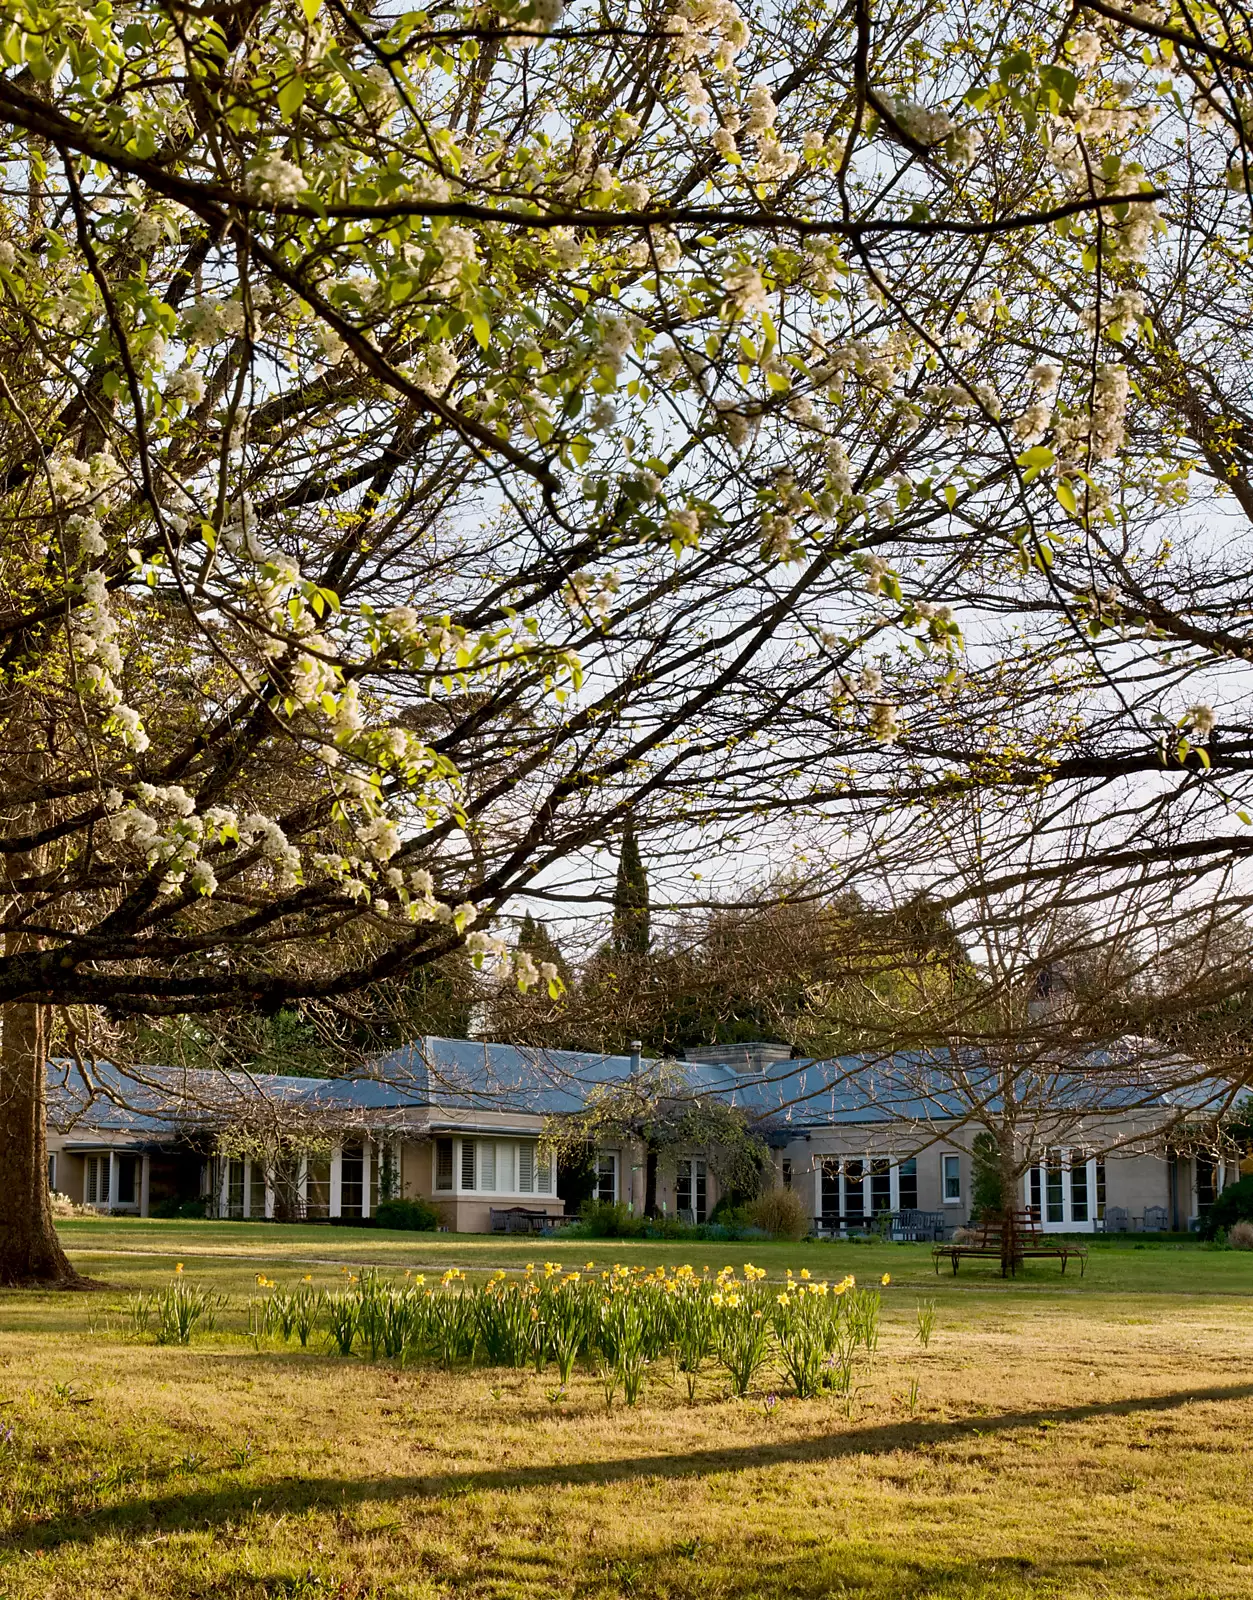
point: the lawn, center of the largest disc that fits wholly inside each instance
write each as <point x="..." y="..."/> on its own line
<point x="1057" y="1437"/>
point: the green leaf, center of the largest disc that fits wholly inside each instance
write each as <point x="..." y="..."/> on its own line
<point x="482" y="329"/>
<point x="292" y="95"/>
<point x="1061" y="81"/>
<point x="1066" y="495"/>
<point x="950" y="494"/>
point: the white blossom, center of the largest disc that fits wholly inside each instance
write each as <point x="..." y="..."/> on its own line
<point x="186" y="384"/>
<point x="277" y="180"/>
<point x="1086" y="48"/>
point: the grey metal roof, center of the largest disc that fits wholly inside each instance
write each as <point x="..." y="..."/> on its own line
<point x="435" y="1079"/>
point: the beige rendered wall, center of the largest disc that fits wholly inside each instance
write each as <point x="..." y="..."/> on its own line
<point x="69" y="1171"/>
<point x="1134" y="1182"/>
<point x="416" y="1176"/>
<point x="466" y="1215"/>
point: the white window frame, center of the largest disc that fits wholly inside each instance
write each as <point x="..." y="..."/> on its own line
<point x="955" y="1159"/>
<point x="844" y="1184"/>
<point x="94" y="1166"/>
<point x="1071" y="1158"/>
<point x="694" y="1161"/>
<point x="615" y="1165"/>
<point x="52" y="1171"/>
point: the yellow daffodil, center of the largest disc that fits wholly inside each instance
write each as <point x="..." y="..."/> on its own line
<point x="805" y="1272"/>
<point x="886" y="1279"/>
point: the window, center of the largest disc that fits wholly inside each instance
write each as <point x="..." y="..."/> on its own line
<point x="951" y="1170"/>
<point x="880" y="1187"/>
<point x="1078" y="1187"/>
<point x="318" y="1187"/>
<point x="543" y="1173"/>
<point x="256" y="1189"/>
<point x="234" y="1189"/>
<point x="854" y="1193"/>
<point x="96" y="1181"/>
<point x="607" y="1177"/>
<point x="1067" y="1189"/>
<point x="907" y="1178"/>
<point x="287" y="1188"/>
<point x="52" y="1172"/>
<point x="1206" y="1182"/>
<point x="351" y="1180"/>
<point x="487" y="1165"/>
<point x="831" y="1190"/>
<point x="526" y="1168"/>
<point x="467" y="1163"/>
<point x="690" y="1188"/>
<point x="787" y="1173"/>
<point x="1054" y="1205"/>
<point x="443" y="1163"/>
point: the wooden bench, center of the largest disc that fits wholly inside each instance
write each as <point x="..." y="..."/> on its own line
<point x="1010" y="1240"/>
<point x="521" y="1219"/>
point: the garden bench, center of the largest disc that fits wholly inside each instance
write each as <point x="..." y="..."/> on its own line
<point x="919" y="1227"/>
<point x="1010" y="1240"/>
<point x="520" y="1219"/>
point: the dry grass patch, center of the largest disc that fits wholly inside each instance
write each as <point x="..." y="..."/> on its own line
<point x="1039" y="1446"/>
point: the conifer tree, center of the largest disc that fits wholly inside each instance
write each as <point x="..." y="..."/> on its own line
<point x="631" y="932"/>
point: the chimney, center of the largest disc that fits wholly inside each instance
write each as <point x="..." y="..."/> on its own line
<point x="755" y="1056"/>
<point x="636" y="1048"/>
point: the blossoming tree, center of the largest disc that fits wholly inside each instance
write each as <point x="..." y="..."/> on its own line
<point x="429" y="438"/>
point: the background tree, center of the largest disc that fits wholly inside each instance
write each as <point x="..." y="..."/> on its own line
<point x="657" y="1108"/>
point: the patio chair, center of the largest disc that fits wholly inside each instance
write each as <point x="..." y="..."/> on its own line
<point x="1156" y="1219"/>
<point x="1117" y="1219"/>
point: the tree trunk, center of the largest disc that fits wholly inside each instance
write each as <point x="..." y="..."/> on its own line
<point x="1007" y="1162"/>
<point x="30" y="1252"/>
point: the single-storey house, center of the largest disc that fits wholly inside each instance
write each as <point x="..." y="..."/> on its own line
<point x="461" y="1124"/>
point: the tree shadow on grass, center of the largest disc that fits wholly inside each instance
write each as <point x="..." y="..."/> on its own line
<point x="206" y="1509"/>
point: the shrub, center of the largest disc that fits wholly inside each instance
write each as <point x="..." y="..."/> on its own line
<point x="600" y="1220"/>
<point x="781" y="1213"/>
<point x="987" y="1197"/>
<point x="1234" y="1204"/>
<point x="1240" y="1236"/>
<point x="413" y="1215"/>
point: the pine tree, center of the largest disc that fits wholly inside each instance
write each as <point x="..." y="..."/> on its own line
<point x="631" y="934"/>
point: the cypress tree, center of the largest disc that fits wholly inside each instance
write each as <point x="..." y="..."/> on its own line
<point x="631" y="934"/>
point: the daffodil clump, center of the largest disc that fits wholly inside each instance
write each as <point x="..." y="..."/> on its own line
<point x="619" y="1321"/>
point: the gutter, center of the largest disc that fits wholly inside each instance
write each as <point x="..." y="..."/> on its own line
<point x="481" y="1127"/>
